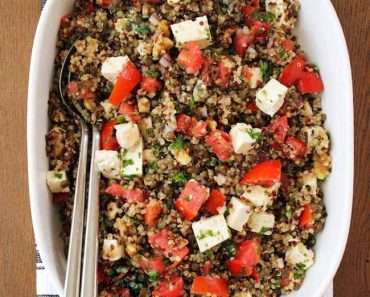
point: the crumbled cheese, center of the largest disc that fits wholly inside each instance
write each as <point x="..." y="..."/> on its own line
<point x="57" y="181"/>
<point x="243" y="137"/>
<point x="270" y="98"/>
<point x="113" y="66"/>
<point x="112" y="210"/>
<point x="317" y="139"/>
<point x="128" y="135"/>
<point x="113" y="250"/>
<point x="261" y="222"/>
<point x="260" y="196"/>
<point x="309" y="183"/>
<point x="132" y="160"/>
<point x="239" y="213"/>
<point x="181" y="156"/>
<point x="108" y="108"/>
<point x="199" y="91"/>
<point x="299" y="254"/>
<point x="210" y="232"/>
<point x="192" y="31"/>
<point x="108" y="163"/>
<point x="143" y="105"/>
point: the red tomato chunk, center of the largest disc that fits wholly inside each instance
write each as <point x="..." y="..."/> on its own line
<point x="210" y="285"/>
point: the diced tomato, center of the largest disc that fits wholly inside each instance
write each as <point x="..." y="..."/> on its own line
<point x="183" y="123"/>
<point x="224" y="75"/>
<point x="72" y="87"/>
<point x="242" y="41"/>
<point x="256" y="275"/>
<point x="252" y="107"/>
<point x="214" y="286"/>
<point x="215" y="201"/>
<point x="265" y="173"/>
<point x="191" y="199"/>
<point x="190" y="126"/>
<point x="286" y="184"/>
<point x="129" y="110"/>
<point x="287" y="44"/>
<point x="248" y="11"/>
<point x="279" y="128"/>
<point x="292" y="72"/>
<point x="285" y="280"/>
<point x="152" y="212"/>
<point x="105" y="3"/>
<point x="90" y="7"/>
<point x="294" y="148"/>
<point x="260" y="30"/>
<point x="127" y="80"/>
<point x="134" y="195"/>
<point x="108" y="139"/>
<point x="151" y="85"/>
<point x="169" y="244"/>
<point x="191" y="58"/>
<point x="172" y="287"/>
<point x="206" y="269"/>
<point x="206" y="70"/>
<point x="310" y="82"/>
<point x="122" y="292"/>
<point x="220" y="143"/>
<point x="199" y="129"/>
<point x="154" y="264"/>
<point x="306" y="219"/>
<point x="65" y="21"/>
<point x="246" y="258"/>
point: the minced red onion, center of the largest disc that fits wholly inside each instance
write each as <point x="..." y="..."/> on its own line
<point x="154" y="19"/>
<point x="165" y="61"/>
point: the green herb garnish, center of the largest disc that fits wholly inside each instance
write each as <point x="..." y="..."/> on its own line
<point x="178" y="144"/>
<point x="254" y="134"/>
<point x="264" y="230"/>
<point x="264" y="16"/>
<point x="180" y="178"/>
<point x="121" y="119"/>
<point x="142" y="30"/>
<point x="152" y="73"/>
<point x="207" y="233"/>
<point x="127" y="162"/>
<point x="267" y="69"/>
<point x="299" y="271"/>
<point x="191" y="104"/>
<point x="153" y="166"/>
<point x="153" y="276"/>
<point x="58" y="175"/>
<point x="230" y="249"/>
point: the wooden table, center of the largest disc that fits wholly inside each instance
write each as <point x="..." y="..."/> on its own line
<point x="17" y="259"/>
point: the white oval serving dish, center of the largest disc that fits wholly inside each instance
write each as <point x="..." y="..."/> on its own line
<point x="321" y="35"/>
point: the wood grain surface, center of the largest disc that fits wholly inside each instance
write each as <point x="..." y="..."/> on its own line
<point x="18" y="20"/>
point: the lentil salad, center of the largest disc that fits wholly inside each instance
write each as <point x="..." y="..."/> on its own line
<point x="213" y="148"/>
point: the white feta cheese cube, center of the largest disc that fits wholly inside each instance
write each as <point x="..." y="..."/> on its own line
<point x="113" y="66"/>
<point x="239" y="213"/>
<point x="299" y="254"/>
<point x="128" y="135"/>
<point x="253" y="76"/>
<point x="132" y="160"/>
<point x="192" y="31"/>
<point x="112" y="249"/>
<point x="108" y="163"/>
<point x="309" y="183"/>
<point x="243" y="137"/>
<point x="270" y="98"/>
<point x="210" y="232"/>
<point x="57" y="181"/>
<point x="261" y="222"/>
<point x="260" y="196"/>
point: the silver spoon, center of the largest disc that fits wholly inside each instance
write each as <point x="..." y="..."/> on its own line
<point x="73" y="282"/>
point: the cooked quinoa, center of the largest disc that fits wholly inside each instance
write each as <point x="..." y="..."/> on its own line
<point x="212" y="140"/>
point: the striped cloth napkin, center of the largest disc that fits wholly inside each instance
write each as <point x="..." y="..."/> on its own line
<point x="44" y="287"/>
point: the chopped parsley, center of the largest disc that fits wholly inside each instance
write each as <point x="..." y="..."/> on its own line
<point x="153" y="276"/>
<point x="127" y="162"/>
<point x="180" y="178"/>
<point x="299" y="271"/>
<point x="58" y="175"/>
<point x="254" y="134"/>
<point x="152" y="73"/>
<point x="178" y="144"/>
<point x="264" y="230"/>
<point x="264" y="16"/>
<point x="267" y="69"/>
<point x="153" y="166"/>
<point x="207" y="233"/>
<point x="142" y="30"/>
<point x="191" y="104"/>
<point x="230" y="249"/>
<point x="121" y="119"/>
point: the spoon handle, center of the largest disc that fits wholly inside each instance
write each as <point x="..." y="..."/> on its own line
<point x="72" y="282"/>
<point x="90" y="258"/>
